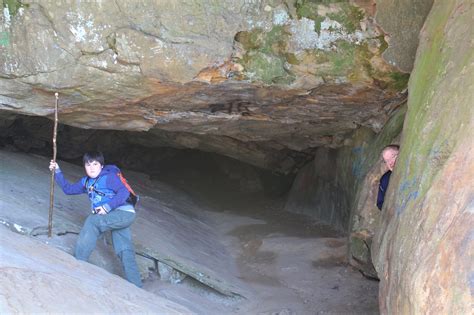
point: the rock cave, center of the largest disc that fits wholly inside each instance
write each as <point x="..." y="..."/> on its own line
<point x="252" y="132"/>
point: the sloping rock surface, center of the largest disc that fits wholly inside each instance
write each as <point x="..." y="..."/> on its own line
<point x="168" y="227"/>
<point x="37" y="278"/>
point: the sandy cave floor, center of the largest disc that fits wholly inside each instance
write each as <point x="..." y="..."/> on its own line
<point x="292" y="264"/>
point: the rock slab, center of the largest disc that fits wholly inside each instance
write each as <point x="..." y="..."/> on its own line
<point x="424" y="250"/>
<point x="37" y="278"/>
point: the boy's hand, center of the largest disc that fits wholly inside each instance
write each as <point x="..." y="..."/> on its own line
<point x="53" y="166"/>
<point x="100" y="210"/>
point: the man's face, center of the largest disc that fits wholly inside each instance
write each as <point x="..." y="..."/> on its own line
<point x="390" y="158"/>
<point x="93" y="168"/>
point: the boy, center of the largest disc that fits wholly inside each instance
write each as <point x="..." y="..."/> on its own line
<point x="111" y="211"/>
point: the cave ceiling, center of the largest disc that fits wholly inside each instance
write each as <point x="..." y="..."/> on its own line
<point x="264" y="82"/>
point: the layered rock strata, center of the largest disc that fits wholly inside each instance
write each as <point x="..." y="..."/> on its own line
<point x="258" y="81"/>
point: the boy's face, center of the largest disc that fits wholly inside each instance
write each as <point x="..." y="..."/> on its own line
<point x="93" y="168"/>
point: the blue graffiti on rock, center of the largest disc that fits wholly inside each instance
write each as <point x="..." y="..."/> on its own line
<point x="408" y="191"/>
<point x="357" y="165"/>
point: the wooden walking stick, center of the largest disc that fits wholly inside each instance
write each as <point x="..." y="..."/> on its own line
<point x="53" y="171"/>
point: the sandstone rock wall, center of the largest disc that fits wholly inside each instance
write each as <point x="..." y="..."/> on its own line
<point x="424" y="249"/>
<point x="318" y="191"/>
<point x="402" y="22"/>
<point x="339" y="186"/>
<point x="365" y="216"/>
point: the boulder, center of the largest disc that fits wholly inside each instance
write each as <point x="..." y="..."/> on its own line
<point x="423" y="250"/>
<point x="401" y="22"/>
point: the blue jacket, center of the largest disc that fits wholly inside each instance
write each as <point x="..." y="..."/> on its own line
<point x="105" y="190"/>
<point x="383" y="188"/>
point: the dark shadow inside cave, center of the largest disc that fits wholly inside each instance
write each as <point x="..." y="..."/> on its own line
<point x="205" y="175"/>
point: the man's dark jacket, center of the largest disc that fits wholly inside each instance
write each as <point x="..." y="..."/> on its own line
<point x="383" y="188"/>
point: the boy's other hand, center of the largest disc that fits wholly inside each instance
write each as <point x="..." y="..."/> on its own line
<point x="53" y="166"/>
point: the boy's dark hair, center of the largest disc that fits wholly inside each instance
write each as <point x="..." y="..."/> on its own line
<point x="93" y="156"/>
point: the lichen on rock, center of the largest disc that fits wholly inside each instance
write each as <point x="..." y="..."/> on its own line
<point x="333" y="40"/>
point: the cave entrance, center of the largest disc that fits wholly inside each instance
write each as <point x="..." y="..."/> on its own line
<point x="219" y="221"/>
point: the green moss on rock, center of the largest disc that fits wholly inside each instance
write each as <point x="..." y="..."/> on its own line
<point x="399" y="80"/>
<point x="343" y="58"/>
<point x="291" y="59"/>
<point x="359" y="249"/>
<point x="266" y="55"/>
<point x="250" y="40"/>
<point x="349" y="16"/>
<point x="276" y="40"/>
<point x="317" y="23"/>
<point x="383" y="43"/>
<point x="307" y="9"/>
<point x="266" y="68"/>
<point x="13" y="6"/>
<point x="338" y="62"/>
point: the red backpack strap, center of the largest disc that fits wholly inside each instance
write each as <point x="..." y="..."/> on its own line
<point x="124" y="182"/>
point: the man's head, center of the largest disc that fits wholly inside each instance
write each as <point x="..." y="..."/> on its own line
<point x="93" y="163"/>
<point x="390" y="154"/>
